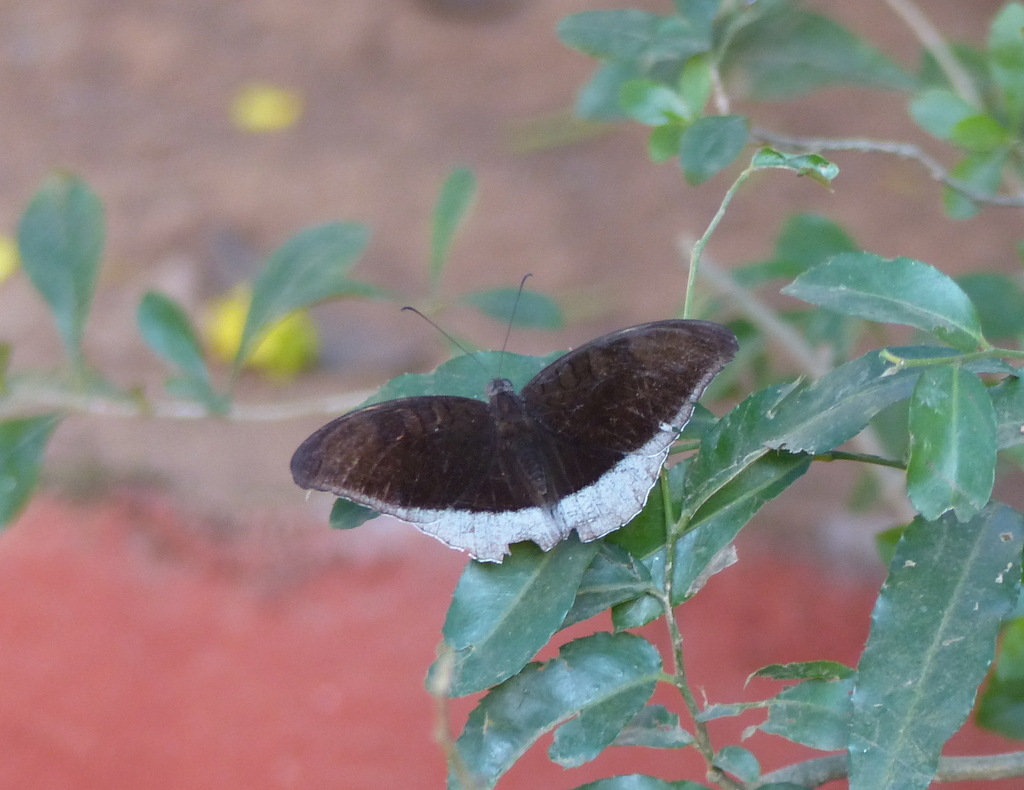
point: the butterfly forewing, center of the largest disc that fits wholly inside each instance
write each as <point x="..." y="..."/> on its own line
<point x="429" y="452"/>
<point x="618" y="391"/>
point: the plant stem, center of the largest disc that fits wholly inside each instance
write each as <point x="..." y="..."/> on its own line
<point x="931" y="39"/>
<point x="953" y="359"/>
<point x="438" y="688"/>
<point x="902" y="150"/>
<point x="23" y="398"/>
<point x="838" y="455"/>
<point x="701" y="737"/>
<point x="812" y="773"/>
<point x="701" y="243"/>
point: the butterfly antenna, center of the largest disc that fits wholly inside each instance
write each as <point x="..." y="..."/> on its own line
<point x="451" y="339"/>
<point x="512" y="320"/>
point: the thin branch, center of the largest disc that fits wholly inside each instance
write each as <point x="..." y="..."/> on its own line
<point x="902" y="150"/>
<point x="839" y="455"/>
<point x="932" y="40"/>
<point x="439" y="687"/>
<point x="813" y="773"/>
<point x="701" y="736"/>
<point x="697" y="248"/>
<point x="23" y="398"/>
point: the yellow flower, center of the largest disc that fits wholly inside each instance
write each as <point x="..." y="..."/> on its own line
<point x="286" y="348"/>
<point x="8" y="257"/>
<point x="259" y="107"/>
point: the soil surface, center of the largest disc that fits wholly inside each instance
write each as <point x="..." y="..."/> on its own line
<point x="210" y="631"/>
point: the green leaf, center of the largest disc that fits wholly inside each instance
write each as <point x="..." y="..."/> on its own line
<point x="1002" y="704"/>
<point x="898" y="291"/>
<point x="501" y="615"/>
<point x="633" y="37"/>
<point x="582" y="739"/>
<point x="938" y="111"/>
<point x="518" y="308"/>
<point x="166" y="328"/>
<point x="467" y="375"/>
<point x="652" y="103"/>
<point x="663" y="141"/>
<point x="792" y="53"/>
<point x="980" y="132"/>
<point x="805" y="670"/>
<point x="349" y="515"/>
<point x="22" y="442"/>
<point x="813" y="166"/>
<point x="804" y="241"/>
<point x="999" y="301"/>
<point x="932" y="637"/>
<point x="1006" y="59"/>
<point x="589" y="675"/>
<point x="614" y="576"/>
<point x="696" y="84"/>
<point x="646" y="531"/>
<point x="711" y="144"/>
<point x="886" y="542"/>
<point x="836" y="407"/>
<point x="701" y="421"/>
<point x="656" y="728"/>
<point x="640" y="782"/>
<point x="1008" y="403"/>
<point x="981" y="170"/>
<point x="639" y="611"/>
<point x="598" y="100"/>
<point x="952" y="443"/>
<point x="5" y="361"/>
<point x="457" y="195"/>
<point x="736" y="441"/>
<point x="60" y="241"/>
<point x="700" y="13"/>
<point x="738" y="761"/>
<point x="815" y="713"/>
<point x="726" y="711"/>
<point x="310" y="267"/>
<point x="719" y="519"/>
<point x="711" y="530"/>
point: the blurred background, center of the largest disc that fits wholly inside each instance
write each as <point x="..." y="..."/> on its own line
<point x="173" y="610"/>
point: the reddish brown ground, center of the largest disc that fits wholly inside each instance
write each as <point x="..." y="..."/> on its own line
<point x="140" y="653"/>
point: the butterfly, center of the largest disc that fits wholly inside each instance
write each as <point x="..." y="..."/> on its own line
<point x="578" y="448"/>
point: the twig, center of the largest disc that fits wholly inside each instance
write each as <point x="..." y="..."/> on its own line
<point x="931" y="39"/>
<point x="813" y="773"/>
<point x="439" y="686"/>
<point x="839" y="455"/>
<point x="696" y="249"/>
<point x="902" y="150"/>
<point x="701" y="736"/>
<point x="24" y="398"/>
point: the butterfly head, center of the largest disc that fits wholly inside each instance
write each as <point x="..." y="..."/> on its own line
<point x="498" y="387"/>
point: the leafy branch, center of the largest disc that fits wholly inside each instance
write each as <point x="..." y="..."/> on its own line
<point x="901" y="150"/>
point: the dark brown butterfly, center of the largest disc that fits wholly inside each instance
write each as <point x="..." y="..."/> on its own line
<point x="578" y="449"/>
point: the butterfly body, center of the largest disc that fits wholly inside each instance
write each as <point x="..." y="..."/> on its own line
<point x="578" y="449"/>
